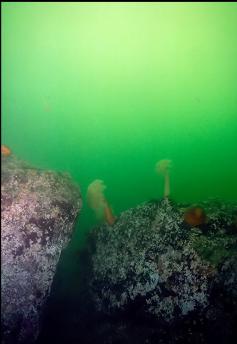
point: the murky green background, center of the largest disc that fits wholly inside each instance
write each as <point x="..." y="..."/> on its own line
<point x="105" y="90"/>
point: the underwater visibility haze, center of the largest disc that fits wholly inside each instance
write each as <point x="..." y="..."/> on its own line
<point x="104" y="91"/>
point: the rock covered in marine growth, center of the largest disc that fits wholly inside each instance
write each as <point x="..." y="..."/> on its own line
<point x="154" y="279"/>
<point x="38" y="211"/>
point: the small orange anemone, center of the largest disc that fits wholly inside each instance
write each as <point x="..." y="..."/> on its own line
<point x="195" y="216"/>
<point x="5" y="151"/>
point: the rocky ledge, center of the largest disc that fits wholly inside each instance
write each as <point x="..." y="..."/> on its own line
<point x="156" y="279"/>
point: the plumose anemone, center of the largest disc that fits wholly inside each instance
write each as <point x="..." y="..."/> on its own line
<point x="163" y="168"/>
<point x="97" y="201"/>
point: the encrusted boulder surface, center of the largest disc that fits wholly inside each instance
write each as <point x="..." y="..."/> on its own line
<point x="155" y="279"/>
<point x="38" y="211"/>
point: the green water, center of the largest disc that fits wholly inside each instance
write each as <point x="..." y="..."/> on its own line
<point x="105" y="90"/>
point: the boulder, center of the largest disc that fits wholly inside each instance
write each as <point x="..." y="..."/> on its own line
<point x="155" y="279"/>
<point x="38" y="211"/>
